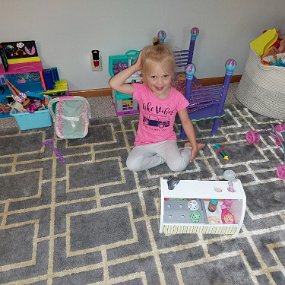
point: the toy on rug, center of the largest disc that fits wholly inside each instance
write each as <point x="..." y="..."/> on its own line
<point x="221" y="150"/>
<point x="277" y="133"/>
<point x="50" y="144"/>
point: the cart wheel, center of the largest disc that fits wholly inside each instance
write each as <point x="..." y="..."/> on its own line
<point x="252" y="137"/>
<point x="280" y="171"/>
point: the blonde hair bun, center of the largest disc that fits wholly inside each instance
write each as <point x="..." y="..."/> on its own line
<point x="156" y="41"/>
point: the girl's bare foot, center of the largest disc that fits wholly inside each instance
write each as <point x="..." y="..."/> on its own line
<point x="199" y="145"/>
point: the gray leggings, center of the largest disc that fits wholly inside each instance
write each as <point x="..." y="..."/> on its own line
<point x="143" y="157"/>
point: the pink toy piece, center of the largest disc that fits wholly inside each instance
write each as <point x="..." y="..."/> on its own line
<point x="228" y="202"/>
<point x="280" y="171"/>
<point x="280" y="127"/>
<point x="30" y="52"/>
<point x="277" y="141"/>
<point x="252" y="137"/>
<point x="226" y="216"/>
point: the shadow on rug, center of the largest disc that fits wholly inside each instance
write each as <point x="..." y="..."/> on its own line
<point x="91" y="220"/>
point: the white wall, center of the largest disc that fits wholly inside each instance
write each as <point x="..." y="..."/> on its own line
<point x="67" y="30"/>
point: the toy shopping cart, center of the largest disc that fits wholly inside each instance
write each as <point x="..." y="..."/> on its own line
<point x="276" y="132"/>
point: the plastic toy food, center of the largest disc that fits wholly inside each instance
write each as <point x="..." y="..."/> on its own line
<point x="193" y="205"/>
<point x="196" y="216"/>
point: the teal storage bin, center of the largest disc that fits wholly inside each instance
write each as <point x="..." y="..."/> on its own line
<point x="121" y="96"/>
<point x="129" y="58"/>
<point x="36" y="120"/>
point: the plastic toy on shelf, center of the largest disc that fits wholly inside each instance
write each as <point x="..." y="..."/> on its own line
<point x="230" y="176"/>
<point x="205" y="102"/>
<point x="277" y="133"/>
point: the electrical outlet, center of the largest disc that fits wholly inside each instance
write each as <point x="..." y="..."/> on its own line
<point x="96" y="60"/>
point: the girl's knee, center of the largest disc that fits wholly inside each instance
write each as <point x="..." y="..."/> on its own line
<point x="132" y="165"/>
<point x="177" y="168"/>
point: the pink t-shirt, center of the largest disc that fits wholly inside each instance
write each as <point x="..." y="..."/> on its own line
<point x="157" y="116"/>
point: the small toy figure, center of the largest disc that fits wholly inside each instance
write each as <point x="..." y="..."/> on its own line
<point x="226" y="216"/>
<point x="17" y="95"/>
<point x="220" y="150"/>
<point x="213" y="205"/>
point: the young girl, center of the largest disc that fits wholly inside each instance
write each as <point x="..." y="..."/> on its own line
<point x="155" y="141"/>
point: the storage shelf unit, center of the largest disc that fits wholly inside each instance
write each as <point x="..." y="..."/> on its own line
<point x="177" y="216"/>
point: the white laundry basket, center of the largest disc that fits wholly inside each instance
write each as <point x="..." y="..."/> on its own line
<point x="262" y="88"/>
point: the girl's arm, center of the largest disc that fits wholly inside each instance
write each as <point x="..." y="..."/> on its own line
<point x="189" y="131"/>
<point x="118" y="81"/>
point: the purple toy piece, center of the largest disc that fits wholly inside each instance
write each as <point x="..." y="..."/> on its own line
<point x="280" y="171"/>
<point x="252" y="137"/>
<point x="194" y="35"/>
<point x="50" y="143"/>
<point x="205" y="102"/>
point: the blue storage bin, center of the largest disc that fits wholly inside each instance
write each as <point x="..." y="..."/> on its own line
<point x="38" y="119"/>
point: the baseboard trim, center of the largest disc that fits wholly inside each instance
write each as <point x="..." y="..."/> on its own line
<point x="218" y="80"/>
<point x="92" y="92"/>
<point x="108" y="91"/>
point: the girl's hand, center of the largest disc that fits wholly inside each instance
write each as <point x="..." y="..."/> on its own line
<point x="194" y="152"/>
<point x="138" y="63"/>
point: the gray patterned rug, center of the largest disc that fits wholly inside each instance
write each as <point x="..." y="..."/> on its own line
<point x="91" y="221"/>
